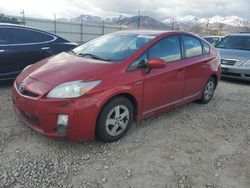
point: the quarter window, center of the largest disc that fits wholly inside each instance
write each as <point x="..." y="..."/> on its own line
<point x="139" y="63"/>
<point x="192" y="46"/>
<point x="206" y="47"/>
<point x="167" y="49"/>
<point x="22" y="36"/>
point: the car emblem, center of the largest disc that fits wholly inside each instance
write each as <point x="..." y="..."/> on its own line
<point x="21" y="87"/>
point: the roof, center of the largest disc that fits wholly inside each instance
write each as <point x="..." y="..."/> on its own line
<point x="148" y="32"/>
<point x="211" y="36"/>
<point x="10" y="24"/>
<point x="240" y="34"/>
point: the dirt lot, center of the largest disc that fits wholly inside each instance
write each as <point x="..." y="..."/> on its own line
<point x="199" y="146"/>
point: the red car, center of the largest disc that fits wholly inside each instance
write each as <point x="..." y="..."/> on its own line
<point x="100" y="87"/>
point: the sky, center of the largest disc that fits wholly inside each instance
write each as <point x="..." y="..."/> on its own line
<point x="159" y="9"/>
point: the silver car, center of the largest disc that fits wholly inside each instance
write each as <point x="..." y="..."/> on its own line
<point x="213" y="39"/>
<point x="235" y="56"/>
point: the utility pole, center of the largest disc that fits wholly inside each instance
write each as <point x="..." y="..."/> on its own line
<point x="139" y="19"/>
<point x="22" y="12"/>
<point x="221" y="28"/>
<point x="207" y="24"/>
<point x="172" y="23"/>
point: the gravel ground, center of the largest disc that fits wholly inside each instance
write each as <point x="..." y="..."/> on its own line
<point x="198" y="146"/>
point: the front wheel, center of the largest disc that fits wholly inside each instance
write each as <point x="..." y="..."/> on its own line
<point x="208" y="91"/>
<point x="115" y="119"/>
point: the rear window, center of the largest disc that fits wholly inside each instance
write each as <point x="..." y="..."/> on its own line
<point x="4" y="36"/>
<point x="22" y="36"/>
<point x="212" y="40"/>
<point x="192" y="46"/>
<point x="235" y="42"/>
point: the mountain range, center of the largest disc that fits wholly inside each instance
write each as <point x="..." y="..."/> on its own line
<point x="214" y="25"/>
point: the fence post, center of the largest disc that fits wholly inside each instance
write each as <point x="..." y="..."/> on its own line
<point x="103" y="32"/>
<point x="55" y="23"/>
<point x="81" y="30"/>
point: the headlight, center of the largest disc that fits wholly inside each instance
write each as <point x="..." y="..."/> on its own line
<point x="72" y="89"/>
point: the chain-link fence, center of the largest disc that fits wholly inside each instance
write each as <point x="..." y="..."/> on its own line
<point x="74" y="31"/>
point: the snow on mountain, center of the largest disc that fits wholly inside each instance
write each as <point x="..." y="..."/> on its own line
<point x="228" y="20"/>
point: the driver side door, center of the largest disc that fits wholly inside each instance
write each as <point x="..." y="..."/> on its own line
<point x="163" y="88"/>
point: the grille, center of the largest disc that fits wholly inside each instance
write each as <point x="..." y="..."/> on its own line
<point x="21" y="89"/>
<point x="231" y="74"/>
<point x="30" y="118"/>
<point x="30" y="94"/>
<point x="228" y="61"/>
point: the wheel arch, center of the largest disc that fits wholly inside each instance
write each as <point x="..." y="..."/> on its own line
<point x="127" y="95"/>
<point x="215" y="77"/>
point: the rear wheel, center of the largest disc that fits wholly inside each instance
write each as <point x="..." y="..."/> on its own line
<point x="115" y="119"/>
<point x="208" y="91"/>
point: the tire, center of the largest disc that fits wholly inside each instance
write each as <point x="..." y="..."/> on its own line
<point x="208" y="91"/>
<point x="114" y="119"/>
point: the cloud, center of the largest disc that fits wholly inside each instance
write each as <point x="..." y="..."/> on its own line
<point x="159" y="9"/>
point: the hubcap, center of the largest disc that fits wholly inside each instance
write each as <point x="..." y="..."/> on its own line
<point x="209" y="90"/>
<point x="117" y="120"/>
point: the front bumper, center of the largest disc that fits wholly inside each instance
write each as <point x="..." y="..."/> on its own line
<point x="41" y="115"/>
<point x="236" y="72"/>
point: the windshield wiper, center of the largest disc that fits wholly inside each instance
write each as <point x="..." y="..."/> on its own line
<point x="93" y="56"/>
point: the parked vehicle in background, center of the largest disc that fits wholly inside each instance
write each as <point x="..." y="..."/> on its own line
<point x="213" y="39"/>
<point x="100" y="87"/>
<point x="21" y="46"/>
<point x="235" y="56"/>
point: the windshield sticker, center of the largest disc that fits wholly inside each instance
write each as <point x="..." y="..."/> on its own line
<point x="146" y="36"/>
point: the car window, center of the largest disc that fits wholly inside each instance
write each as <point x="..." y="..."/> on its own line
<point x="167" y="49"/>
<point x="235" y="42"/>
<point x="192" y="46"/>
<point x="22" y="36"/>
<point x="4" y="36"/>
<point x="206" y="48"/>
<point x="138" y="63"/>
<point x="212" y="40"/>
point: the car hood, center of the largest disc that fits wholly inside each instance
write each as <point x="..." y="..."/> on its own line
<point x="234" y="54"/>
<point x="65" y="67"/>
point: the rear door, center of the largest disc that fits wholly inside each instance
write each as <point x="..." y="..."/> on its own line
<point x="194" y="63"/>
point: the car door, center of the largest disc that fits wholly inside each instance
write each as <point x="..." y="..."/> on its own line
<point x="164" y="87"/>
<point x="5" y="66"/>
<point x="25" y="47"/>
<point x="193" y="64"/>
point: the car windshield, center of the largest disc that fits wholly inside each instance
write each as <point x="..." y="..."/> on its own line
<point x="212" y="40"/>
<point x="235" y="42"/>
<point x="112" y="47"/>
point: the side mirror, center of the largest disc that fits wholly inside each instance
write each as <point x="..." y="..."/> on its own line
<point x="156" y="63"/>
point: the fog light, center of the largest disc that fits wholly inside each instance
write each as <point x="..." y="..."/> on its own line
<point x="62" y="123"/>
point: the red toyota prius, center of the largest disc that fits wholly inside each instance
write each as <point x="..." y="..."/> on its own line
<point x="100" y="87"/>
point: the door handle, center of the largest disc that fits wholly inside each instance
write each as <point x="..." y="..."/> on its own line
<point x="45" y="48"/>
<point x="180" y="72"/>
<point x="1" y="51"/>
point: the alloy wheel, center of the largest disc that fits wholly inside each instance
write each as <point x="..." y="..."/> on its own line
<point x="117" y="120"/>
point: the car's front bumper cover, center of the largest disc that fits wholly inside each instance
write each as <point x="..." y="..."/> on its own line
<point x="242" y="73"/>
<point x="41" y="115"/>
